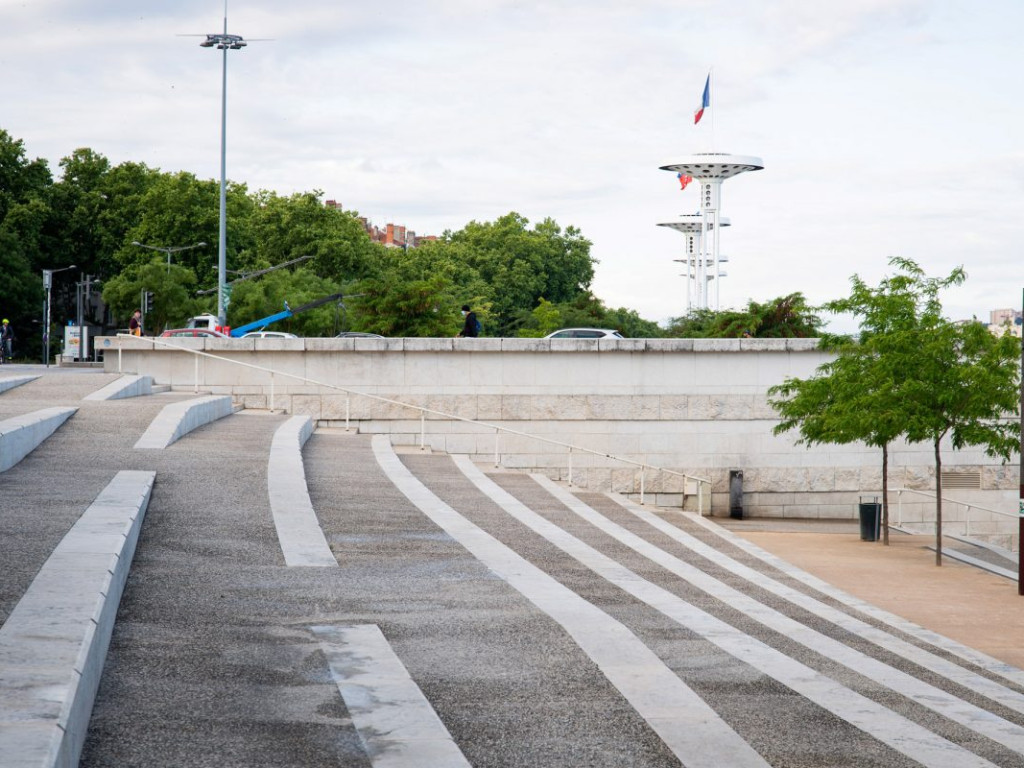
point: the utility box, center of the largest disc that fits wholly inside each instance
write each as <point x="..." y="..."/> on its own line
<point x="736" y="494"/>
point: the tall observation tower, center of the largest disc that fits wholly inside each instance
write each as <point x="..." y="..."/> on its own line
<point x="697" y="277"/>
<point x="710" y="170"/>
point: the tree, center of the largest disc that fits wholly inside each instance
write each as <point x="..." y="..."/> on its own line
<point x="267" y="295"/>
<point x="785" y="317"/>
<point x="411" y="294"/>
<point x="967" y="382"/>
<point x="511" y="267"/>
<point x="286" y="228"/>
<point x="172" y="289"/>
<point x="910" y="373"/>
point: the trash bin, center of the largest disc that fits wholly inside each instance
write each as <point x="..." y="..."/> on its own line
<point x="870" y="518"/>
<point x="736" y="494"/>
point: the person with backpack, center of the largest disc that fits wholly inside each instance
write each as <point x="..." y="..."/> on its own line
<point x="471" y="326"/>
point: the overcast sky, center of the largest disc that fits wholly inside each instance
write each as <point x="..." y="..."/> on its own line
<point x="886" y="127"/>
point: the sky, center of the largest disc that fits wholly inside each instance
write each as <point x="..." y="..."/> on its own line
<point x="887" y="128"/>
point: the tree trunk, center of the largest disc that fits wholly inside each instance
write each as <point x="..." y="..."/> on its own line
<point x="885" y="494"/>
<point x="938" y="505"/>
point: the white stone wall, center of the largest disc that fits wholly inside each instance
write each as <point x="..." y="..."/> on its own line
<point x="690" y="405"/>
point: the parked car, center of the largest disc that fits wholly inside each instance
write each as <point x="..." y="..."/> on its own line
<point x="268" y="335"/>
<point x="585" y="333"/>
<point x="194" y="333"/>
<point x="358" y="335"/>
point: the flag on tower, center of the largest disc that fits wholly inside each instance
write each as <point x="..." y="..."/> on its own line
<point x="683" y="180"/>
<point x="705" y="101"/>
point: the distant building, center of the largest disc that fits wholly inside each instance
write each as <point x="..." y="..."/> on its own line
<point x="391" y="235"/>
<point x="1003" y="320"/>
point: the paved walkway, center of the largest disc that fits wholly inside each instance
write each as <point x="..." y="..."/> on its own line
<point x="506" y="620"/>
<point x="964" y="603"/>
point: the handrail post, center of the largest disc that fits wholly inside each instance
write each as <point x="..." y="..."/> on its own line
<point x="195" y="375"/>
<point x="700" y="498"/>
<point x="271" y="391"/>
<point x="348" y="403"/>
<point x="967" y="521"/>
<point x="642" y="472"/>
<point x="570" y="466"/>
<point x="497" y="434"/>
<point x="423" y="430"/>
<point x="118" y="356"/>
<point x="899" y="509"/>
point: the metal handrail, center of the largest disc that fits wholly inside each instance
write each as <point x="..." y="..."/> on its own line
<point x="932" y="496"/>
<point x="701" y="481"/>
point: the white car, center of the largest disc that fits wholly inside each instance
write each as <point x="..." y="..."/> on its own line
<point x="268" y="335"/>
<point x="585" y="333"/>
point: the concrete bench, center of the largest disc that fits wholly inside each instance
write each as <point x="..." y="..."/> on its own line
<point x="53" y="644"/>
<point x="15" y="381"/>
<point x="20" y="435"/>
<point x="126" y="386"/>
<point x="178" y="419"/>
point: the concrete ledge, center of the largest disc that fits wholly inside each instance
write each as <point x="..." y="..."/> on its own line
<point x="15" y="381"/>
<point x="54" y="643"/>
<point x="178" y="419"/>
<point x="19" y="436"/>
<point x="126" y="386"/>
<point x="302" y="539"/>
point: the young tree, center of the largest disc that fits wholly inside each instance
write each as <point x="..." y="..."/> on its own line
<point x="867" y="392"/>
<point x="966" y="383"/>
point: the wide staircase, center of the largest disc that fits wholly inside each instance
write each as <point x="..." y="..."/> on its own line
<point x="271" y="597"/>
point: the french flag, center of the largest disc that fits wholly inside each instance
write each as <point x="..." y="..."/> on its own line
<point x="705" y="101"/>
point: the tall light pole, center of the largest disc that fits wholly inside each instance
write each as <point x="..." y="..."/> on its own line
<point x="47" y="286"/>
<point x="224" y="42"/>
<point x="168" y="250"/>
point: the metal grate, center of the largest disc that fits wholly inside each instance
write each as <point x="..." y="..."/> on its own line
<point x="959" y="479"/>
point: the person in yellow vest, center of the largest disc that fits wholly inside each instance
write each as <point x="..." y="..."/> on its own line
<point x="135" y="324"/>
<point x="6" y="341"/>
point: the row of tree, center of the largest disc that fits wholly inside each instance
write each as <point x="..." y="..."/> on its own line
<point x="523" y="280"/>
<point x="910" y="374"/>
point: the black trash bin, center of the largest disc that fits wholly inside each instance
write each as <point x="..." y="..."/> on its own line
<point x="870" y="518"/>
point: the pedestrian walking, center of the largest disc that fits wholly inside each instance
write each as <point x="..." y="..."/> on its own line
<point x="6" y="342"/>
<point x="471" y="326"/>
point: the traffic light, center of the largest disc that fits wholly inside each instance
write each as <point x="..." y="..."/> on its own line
<point x="148" y="303"/>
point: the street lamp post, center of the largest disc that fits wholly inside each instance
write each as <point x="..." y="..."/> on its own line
<point x="168" y="250"/>
<point x="224" y="42"/>
<point x="47" y="286"/>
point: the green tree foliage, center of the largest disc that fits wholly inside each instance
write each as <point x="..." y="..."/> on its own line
<point x="911" y="373"/>
<point x="785" y="317"/>
<point x="252" y="300"/>
<point x="24" y="213"/>
<point x="173" y="292"/>
<point x="411" y="294"/>
<point x="511" y="266"/>
<point x="585" y="311"/>
<point x="287" y="228"/>
<point x="966" y="384"/>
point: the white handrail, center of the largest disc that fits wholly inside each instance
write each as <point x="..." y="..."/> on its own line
<point x="701" y="481"/>
<point x="931" y="495"/>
